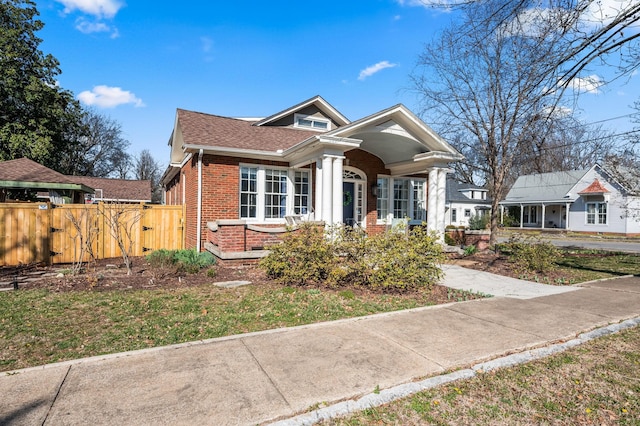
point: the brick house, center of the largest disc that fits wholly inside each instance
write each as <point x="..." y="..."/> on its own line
<point x="241" y="181"/>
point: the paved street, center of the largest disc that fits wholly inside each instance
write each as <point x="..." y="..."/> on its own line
<point x="590" y="243"/>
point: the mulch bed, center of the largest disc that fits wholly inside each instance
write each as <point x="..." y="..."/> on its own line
<point x="111" y="275"/>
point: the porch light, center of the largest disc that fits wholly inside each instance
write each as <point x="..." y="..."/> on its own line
<point x="374" y="189"/>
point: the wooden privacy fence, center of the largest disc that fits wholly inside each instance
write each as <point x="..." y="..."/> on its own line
<point x="43" y="232"/>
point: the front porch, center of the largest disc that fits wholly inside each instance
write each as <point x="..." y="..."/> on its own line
<point x="552" y="216"/>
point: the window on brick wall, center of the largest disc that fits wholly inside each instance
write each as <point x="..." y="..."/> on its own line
<point x="399" y="198"/>
<point x="271" y="193"/>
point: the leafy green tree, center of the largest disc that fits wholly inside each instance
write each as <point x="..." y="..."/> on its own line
<point x="36" y="115"/>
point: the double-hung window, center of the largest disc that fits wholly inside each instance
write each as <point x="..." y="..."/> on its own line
<point x="270" y="193"/>
<point x="596" y="213"/>
<point x="400" y="198"/>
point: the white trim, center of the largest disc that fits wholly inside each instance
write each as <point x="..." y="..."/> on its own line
<point x="410" y="201"/>
<point x="307" y="117"/>
<point x="260" y="193"/>
<point x="199" y="206"/>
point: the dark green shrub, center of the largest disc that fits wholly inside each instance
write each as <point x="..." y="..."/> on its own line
<point x="191" y="261"/>
<point x="479" y="222"/>
<point x="448" y="240"/>
<point x="531" y="254"/>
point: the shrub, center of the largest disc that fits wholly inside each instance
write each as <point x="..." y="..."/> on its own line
<point x="189" y="261"/>
<point x="162" y="258"/>
<point x="303" y="257"/>
<point x="192" y="261"/>
<point x="448" y="239"/>
<point x="393" y="261"/>
<point x="470" y="250"/>
<point x="479" y="222"/>
<point x="531" y="254"/>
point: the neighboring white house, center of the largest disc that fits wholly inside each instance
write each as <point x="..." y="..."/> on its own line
<point x="464" y="201"/>
<point x="588" y="200"/>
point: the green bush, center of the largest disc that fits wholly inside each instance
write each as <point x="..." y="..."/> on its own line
<point x="530" y="253"/>
<point x="189" y="261"/>
<point x="479" y="222"/>
<point x="448" y="240"/>
<point x="392" y="261"/>
<point x="162" y="258"/>
<point x="192" y="261"/>
<point x="304" y="257"/>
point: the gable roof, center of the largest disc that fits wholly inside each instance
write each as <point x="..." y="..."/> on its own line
<point x="545" y="187"/>
<point x="318" y="101"/>
<point x="207" y="130"/>
<point x="26" y="173"/>
<point x="117" y="189"/>
<point x="454" y="192"/>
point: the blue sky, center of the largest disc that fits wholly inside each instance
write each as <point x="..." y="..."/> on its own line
<point x="138" y="61"/>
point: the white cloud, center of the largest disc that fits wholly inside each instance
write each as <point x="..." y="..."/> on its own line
<point x="98" y="8"/>
<point x="88" y="27"/>
<point x="369" y="71"/>
<point x="109" y="97"/>
<point x="589" y="84"/>
<point x="604" y="11"/>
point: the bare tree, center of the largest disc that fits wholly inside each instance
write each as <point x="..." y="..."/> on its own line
<point x="98" y="149"/>
<point x="498" y="80"/>
<point x="147" y="168"/>
<point x="122" y="220"/>
<point x="84" y="235"/>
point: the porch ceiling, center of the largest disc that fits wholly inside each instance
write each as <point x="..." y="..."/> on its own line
<point x="390" y="148"/>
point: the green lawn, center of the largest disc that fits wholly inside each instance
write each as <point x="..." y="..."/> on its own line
<point x="597" y="383"/>
<point x="39" y="327"/>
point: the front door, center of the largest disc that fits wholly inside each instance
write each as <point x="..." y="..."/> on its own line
<point x="348" y="193"/>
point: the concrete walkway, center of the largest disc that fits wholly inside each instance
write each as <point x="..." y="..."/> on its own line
<point x="261" y="377"/>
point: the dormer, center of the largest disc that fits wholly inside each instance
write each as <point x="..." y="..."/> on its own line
<point x="314" y="114"/>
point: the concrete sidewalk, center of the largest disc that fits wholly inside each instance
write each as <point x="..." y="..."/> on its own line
<point x="260" y="377"/>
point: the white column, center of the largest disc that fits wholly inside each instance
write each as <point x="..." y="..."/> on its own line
<point x="337" y="189"/>
<point x="318" y="208"/>
<point x="521" y="215"/>
<point x="543" y="214"/>
<point x="432" y="200"/>
<point x="327" y="189"/>
<point x="441" y="201"/>
<point x="566" y="222"/>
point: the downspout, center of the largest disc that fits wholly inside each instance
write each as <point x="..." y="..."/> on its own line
<point x="199" y="214"/>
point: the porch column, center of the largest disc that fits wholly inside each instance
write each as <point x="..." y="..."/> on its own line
<point x="521" y="215"/>
<point x="337" y="189"/>
<point x="502" y="215"/>
<point x="441" y="201"/>
<point x="432" y="199"/>
<point x="566" y="222"/>
<point x="327" y="189"/>
<point x="318" y="208"/>
<point x="543" y="213"/>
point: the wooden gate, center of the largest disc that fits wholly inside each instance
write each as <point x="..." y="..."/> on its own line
<point x="31" y="233"/>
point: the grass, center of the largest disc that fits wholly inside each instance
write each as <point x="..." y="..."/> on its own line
<point x="592" y="264"/>
<point x="596" y="383"/>
<point x="39" y="327"/>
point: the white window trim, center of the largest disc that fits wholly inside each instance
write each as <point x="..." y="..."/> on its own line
<point x="297" y="117"/>
<point x="260" y="202"/>
<point x="597" y="213"/>
<point x="389" y="219"/>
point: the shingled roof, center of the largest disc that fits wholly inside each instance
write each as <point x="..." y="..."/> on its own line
<point x="26" y="170"/>
<point x="200" y="129"/>
<point x="26" y="173"/>
<point x="117" y="189"/>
